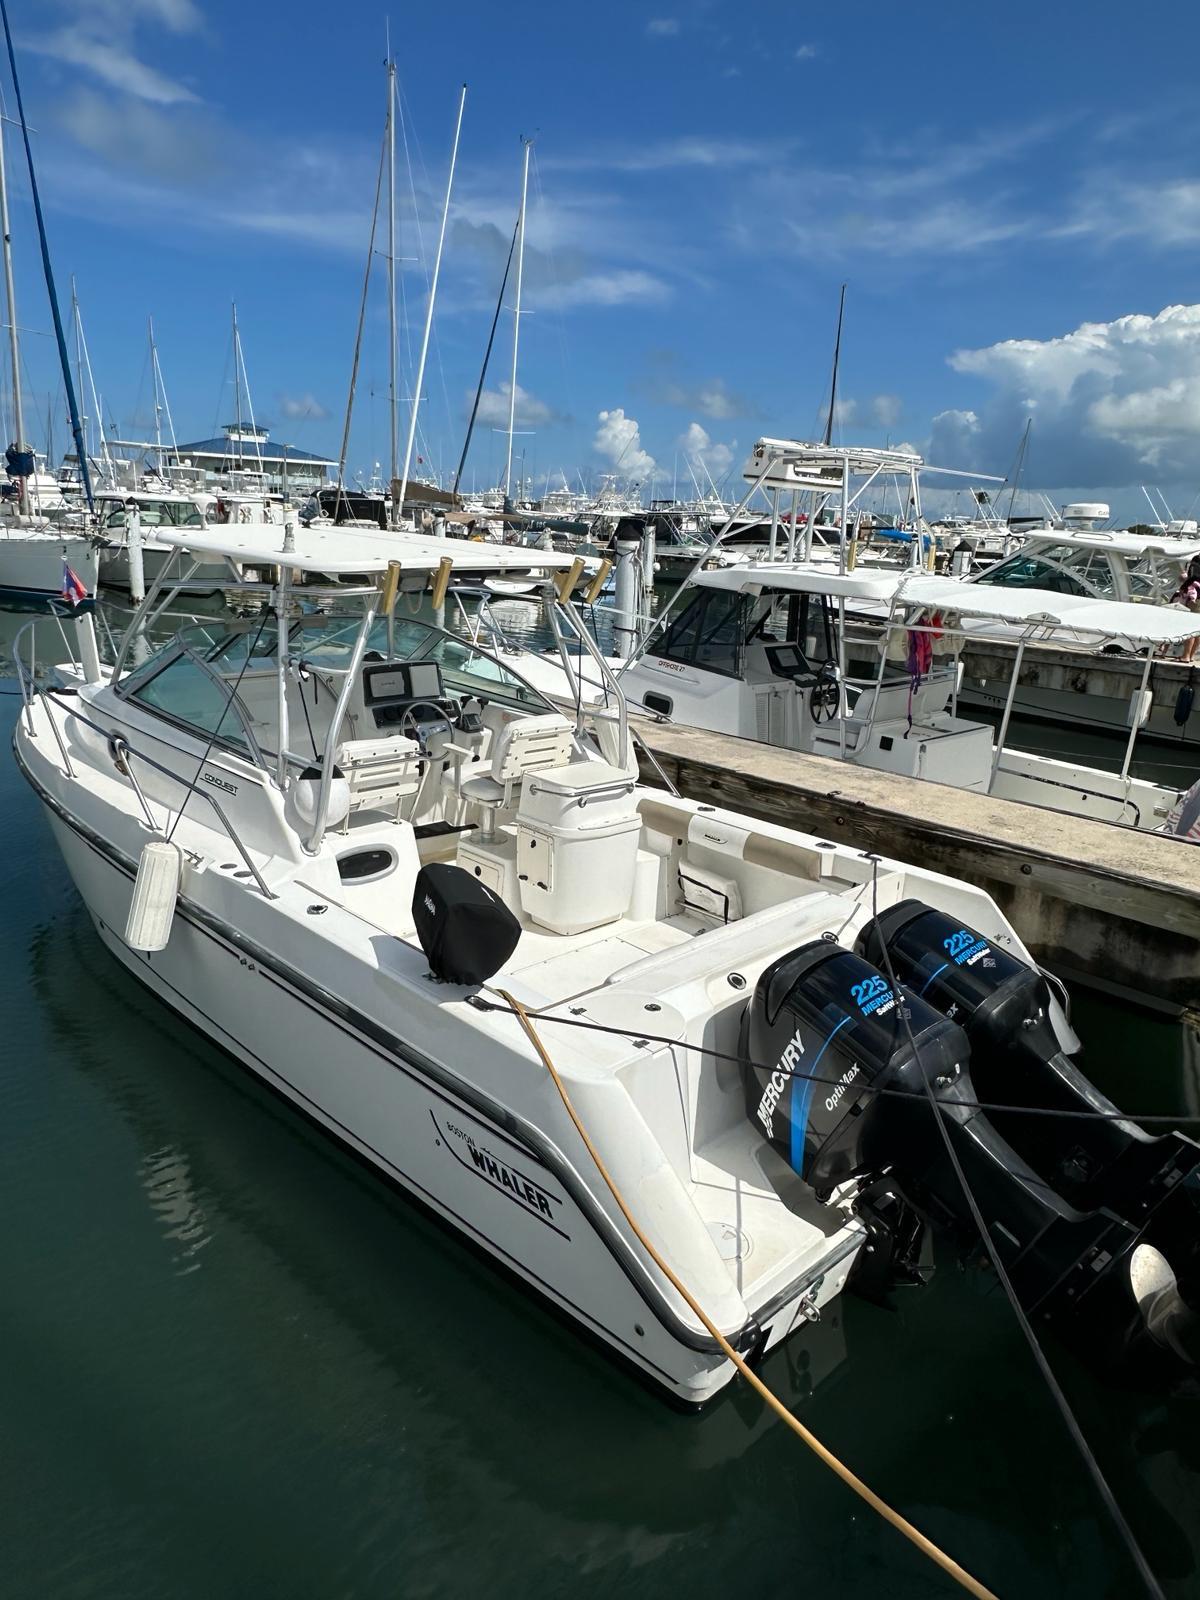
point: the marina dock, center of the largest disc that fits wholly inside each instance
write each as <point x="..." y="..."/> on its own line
<point x="1110" y="907"/>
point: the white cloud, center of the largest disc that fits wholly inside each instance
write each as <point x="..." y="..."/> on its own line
<point x="115" y="66"/>
<point x="106" y="17"/>
<point x="806" y="52"/>
<point x="701" y="451"/>
<point x="845" y="412"/>
<point x="1111" y="401"/>
<point x="619" y="440"/>
<point x="132" y="135"/>
<point x="302" y="408"/>
<point x="621" y="287"/>
<point x="886" y="409"/>
<point x="664" y="155"/>
<point x="709" y="396"/>
<point x="663" y="27"/>
<point x="493" y="408"/>
<point x="1158" y="215"/>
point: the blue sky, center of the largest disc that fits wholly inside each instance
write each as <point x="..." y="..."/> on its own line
<point x="1012" y="194"/>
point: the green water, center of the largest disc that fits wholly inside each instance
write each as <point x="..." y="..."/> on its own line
<point x="235" y="1363"/>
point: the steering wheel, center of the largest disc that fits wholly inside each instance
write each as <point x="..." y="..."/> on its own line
<point x="423" y="730"/>
<point x="825" y="696"/>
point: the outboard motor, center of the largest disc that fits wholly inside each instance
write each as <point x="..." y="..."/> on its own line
<point x="1090" y="1154"/>
<point x="1004" y="1006"/>
<point x="837" y="1066"/>
<point x="829" y="1024"/>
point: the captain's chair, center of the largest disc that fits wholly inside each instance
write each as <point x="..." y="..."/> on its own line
<point x="524" y="745"/>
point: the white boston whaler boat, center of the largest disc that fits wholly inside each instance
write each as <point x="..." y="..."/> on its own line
<point x="335" y="839"/>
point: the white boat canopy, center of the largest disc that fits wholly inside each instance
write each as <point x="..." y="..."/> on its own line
<point x="1042" y="611"/>
<point x="1183" y="546"/>
<point x="342" y="551"/>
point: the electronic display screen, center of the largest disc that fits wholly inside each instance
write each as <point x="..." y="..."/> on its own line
<point x="786" y="660"/>
<point x="415" y="680"/>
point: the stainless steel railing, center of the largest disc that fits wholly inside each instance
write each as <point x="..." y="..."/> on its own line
<point x="122" y="752"/>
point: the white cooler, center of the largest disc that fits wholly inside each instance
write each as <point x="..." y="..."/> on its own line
<point x="577" y="843"/>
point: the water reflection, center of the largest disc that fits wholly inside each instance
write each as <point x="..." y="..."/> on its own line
<point x="166" y="1177"/>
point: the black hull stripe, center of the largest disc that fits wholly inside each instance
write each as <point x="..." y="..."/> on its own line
<point x="433" y="1078"/>
<point x="329" y="1124"/>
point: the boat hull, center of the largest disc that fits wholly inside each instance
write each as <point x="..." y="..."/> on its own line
<point x="486" y="1172"/>
<point x="32" y="564"/>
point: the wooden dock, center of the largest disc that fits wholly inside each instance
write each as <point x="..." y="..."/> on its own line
<point x="1104" y="905"/>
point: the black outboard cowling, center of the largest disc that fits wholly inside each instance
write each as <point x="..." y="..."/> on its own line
<point x="997" y="998"/>
<point x="823" y="1028"/>
<point x="839" y="1066"/>
<point x="1004" y="1005"/>
<point x="1093" y="1158"/>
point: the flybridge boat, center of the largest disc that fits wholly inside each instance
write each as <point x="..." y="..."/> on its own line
<point x="343" y="842"/>
<point x="762" y="652"/>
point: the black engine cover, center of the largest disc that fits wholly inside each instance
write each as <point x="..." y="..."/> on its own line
<point x="825" y="1028"/>
<point x="467" y="932"/>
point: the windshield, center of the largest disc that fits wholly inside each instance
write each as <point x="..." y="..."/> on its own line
<point x="155" y="514"/>
<point x="327" y="642"/>
<point x="1062" y="568"/>
<point x="710" y="633"/>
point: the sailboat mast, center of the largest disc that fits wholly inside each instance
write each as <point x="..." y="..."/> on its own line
<point x="393" y="393"/>
<point x="512" y="387"/>
<point x="154" y="384"/>
<point x="83" y="419"/>
<point x="437" y="267"/>
<point x="237" y="386"/>
<point x="837" y="356"/>
<point x="10" y="295"/>
<point x="1017" y="470"/>
<point x="487" y="356"/>
<point x="161" y="388"/>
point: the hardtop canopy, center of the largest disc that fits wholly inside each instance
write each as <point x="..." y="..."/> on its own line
<point x="346" y="551"/>
<point x="1043" y="611"/>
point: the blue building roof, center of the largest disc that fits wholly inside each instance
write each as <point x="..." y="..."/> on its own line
<point x="247" y="451"/>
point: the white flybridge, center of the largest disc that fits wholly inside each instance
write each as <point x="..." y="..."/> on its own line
<point x="346" y="845"/>
<point x="762" y="652"/>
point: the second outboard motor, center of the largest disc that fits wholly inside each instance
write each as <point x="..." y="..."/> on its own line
<point x="839" y="1069"/>
<point x="1004" y="1006"/>
<point x="1090" y="1154"/>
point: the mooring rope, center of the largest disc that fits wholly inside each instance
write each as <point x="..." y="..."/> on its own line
<point x="924" y="1544"/>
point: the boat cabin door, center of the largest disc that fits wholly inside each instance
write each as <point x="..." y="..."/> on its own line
<point x="791" y="657"/>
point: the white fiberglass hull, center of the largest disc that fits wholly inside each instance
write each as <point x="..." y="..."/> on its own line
<point x="502" y="1182"/>
<point x="31" y="561"/>
<point x="114" y="566"/>
<point x="1103" y="713"/>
